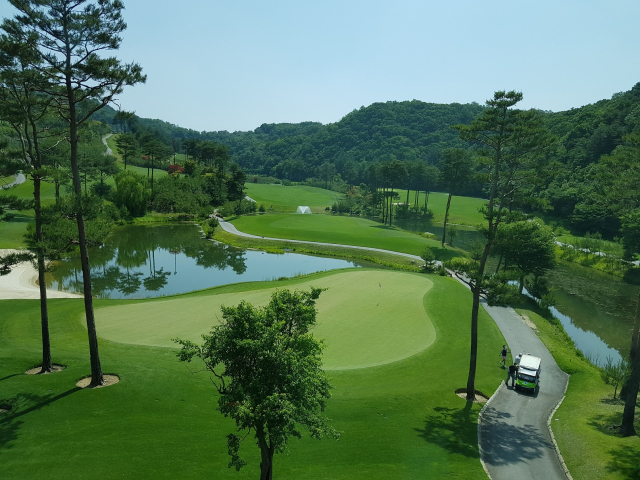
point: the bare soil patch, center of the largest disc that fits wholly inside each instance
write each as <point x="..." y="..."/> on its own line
<point x="479" y="397"/>
<point x="36" y="370"/>
<point x="108" y="381"/>
<point x="528" y="321"/>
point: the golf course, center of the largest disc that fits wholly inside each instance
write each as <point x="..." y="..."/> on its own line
<point x="396" y="352"/>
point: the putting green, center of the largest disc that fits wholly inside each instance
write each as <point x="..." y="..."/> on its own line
<point x="366" y="317"/>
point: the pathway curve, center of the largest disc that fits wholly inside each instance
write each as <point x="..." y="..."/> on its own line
<point x="18" y="179"/>
<point x="514" y="436"/>
<point x="104" y="141"/>
<point x="230" y="228"/>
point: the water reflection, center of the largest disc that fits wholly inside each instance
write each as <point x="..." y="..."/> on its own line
<point x="150" y="261"/>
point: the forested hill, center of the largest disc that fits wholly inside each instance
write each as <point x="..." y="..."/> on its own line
<point x="411" y="130"/>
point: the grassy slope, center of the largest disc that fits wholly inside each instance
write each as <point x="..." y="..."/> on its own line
<point x="111" y="142"/>
<point x="342" y="230"/>
<point x="288" y="199"/>
<point x="11" y="232"/>
<point x="582" y="424"/>
<point x="400" y="420"/>
<point x="463" y="210"/>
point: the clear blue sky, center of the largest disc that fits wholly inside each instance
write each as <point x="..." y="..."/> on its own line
<point x="235" y="64"/>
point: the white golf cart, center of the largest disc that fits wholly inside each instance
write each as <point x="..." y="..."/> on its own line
<point x="528" y="375"/>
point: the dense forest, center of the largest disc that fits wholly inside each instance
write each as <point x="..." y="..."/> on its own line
<point x="413" y="132"/>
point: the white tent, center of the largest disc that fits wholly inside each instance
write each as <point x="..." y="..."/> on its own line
<point x="303" y="210"/>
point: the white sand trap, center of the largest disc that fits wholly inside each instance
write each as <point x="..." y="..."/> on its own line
<point x="21" y="283"/>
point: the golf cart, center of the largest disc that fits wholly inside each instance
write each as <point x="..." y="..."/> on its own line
<point x="528" y="375"/>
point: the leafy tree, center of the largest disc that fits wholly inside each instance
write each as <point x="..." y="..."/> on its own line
<point x="235" y="184"/>
<point x="456" y="168"/>
<point x="526" y="245"/>
<point x="512" y="142"/>
<point x="267" y="368"/>
<point x="429" y="260"/>
<point x="65" y="39"/>
<point x="132" y="192"/>
<point x="127" y="146"/>
<point x="615" y="374"/>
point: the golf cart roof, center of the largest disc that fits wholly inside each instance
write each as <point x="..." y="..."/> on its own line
<point x="529" y="362"/>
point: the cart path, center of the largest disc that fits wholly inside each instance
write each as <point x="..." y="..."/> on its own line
<point x="514" y="438"/>
<point x="18" y="179"/>
<point x="515" y="441"/>
<point x="104" y="141"/>
<point x="230" y="228"/>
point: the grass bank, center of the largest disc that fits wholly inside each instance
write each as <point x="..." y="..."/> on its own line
<point x="400" y="419"/>
<point x="341" y="230"/>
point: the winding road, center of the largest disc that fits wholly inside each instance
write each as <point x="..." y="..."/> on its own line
<point x="514" y="436"/>
<point x="18" y="179"/>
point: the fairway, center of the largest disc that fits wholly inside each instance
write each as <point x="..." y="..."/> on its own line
<point x="342" y="230"/>
<point x="288" y="199"/>
<point x="367" y="318"/>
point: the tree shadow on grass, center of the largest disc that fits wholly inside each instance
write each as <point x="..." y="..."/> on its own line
<point x="12" y="375"/>
<point x="504" y="443"/>
<point x="23" y="404"/>
<point x="606" y="423"/>
<point x="625" y="461"/>
<point x="452" y="429"/>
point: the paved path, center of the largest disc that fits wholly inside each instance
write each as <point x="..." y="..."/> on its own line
<point x="104" y="141"/>
<point x="515" y="442"/>
<point x="230" y="228"/>
<point x="18" y="179"/>
<point x="514" y="437"/>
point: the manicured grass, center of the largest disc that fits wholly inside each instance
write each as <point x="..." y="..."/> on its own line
<point x="288" y="199"/>
<point x="360" y="321"/>
<point x="400" y="420"/>
<point x="343" y="230"/>
<point x="6" y="180"/>
<point x="111" y="142"/>
<point x="463" y="210"/>
<point x="12" y="232"/>
<point x="582" y="424"/>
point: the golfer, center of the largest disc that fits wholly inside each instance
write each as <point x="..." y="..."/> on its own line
<point x="503" y="352"/>
<point x="512" y="375"/>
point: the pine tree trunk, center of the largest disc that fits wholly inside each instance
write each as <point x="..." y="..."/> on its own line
<point x="475" y="290"/>
<point x="627" y="429"/>
<point x="446" y="215"/>
<point x="96" y="370"/>
<point x="44" y="313"/>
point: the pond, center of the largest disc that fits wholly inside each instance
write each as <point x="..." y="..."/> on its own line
<point x="152" y="261"/>
<point x="595" y="309"/>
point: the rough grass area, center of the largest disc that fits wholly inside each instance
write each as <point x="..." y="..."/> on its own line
<point x="287" y="199"/>
<point x="341" y="230"/>
<point x="400" y="420"/>
<point x="583" y="424"/>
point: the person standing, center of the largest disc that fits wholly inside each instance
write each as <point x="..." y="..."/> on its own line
<point x="503" y="352"/>
<point x="512" y="374"/>
<point x="517" y="359"/>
